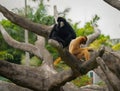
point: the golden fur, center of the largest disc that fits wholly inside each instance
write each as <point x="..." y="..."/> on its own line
<point x="76" y="49"/>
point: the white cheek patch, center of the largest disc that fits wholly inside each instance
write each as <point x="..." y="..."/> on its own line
<point x="61" y="24"/>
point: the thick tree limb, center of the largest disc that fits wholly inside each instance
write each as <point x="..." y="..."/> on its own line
<point x="33" y="78"/>
<point x="113" y="62"/>
<point x="101" y="74"/>
<point x="39" y="29"/>
<point x="5" y="86"/>
<point x="113" y="80"/>
<point x="114" y="3"/>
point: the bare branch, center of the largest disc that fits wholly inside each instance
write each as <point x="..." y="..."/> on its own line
<point x="114" y="3"/>
<point x="93" y="36"/>
<point x="39" y="29"/>
<point x="22" y="46"/>
<point x="47" y="57"/>
<point x="55" y="13"/>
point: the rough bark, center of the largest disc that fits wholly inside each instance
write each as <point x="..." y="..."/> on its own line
<point x="72" y="87"/>
<point x="112" y="79"/>
<point x="5" y="86"/>
<point x="114" y="3"/>
<point x="109" y="70"/>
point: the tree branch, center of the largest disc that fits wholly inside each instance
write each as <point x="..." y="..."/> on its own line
<point x="47" y="57"/>
<point x="22" y="46"/>
<point x="23" y="75"/>
<point x="114" y="3"/>
<point x="39" y="29"/>
<point x="101" y="74"/>
<point x="93" y="36"/>
<point x="112" y="78"/>
<point x="113" y="58"/>
<point x="55" y="13"/>
<point x="6" y="86"/>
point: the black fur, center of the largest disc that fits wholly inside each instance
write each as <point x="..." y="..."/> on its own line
<point x="62" y="34"/>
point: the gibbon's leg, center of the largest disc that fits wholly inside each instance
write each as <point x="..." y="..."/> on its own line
<point x="80" y="55"/>
<point x="57" y="61"/>
<point x="83" y="53"/>
<point x="74" y="51"/>
<point x="86" y="55"/>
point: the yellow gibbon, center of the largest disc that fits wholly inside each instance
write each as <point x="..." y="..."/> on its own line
<point x="76" y="49"/>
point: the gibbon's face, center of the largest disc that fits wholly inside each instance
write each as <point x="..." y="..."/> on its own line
<point x="84" y="39"/>
<point x="61" y="22"/>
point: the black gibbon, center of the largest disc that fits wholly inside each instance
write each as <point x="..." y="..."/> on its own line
<point x="62" y="32"/>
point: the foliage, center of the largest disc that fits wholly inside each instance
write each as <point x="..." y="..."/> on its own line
<point x="87" y="28"/>
<point x="17" y="33"/>
<point x="61" y="66"/>
<point x="4" y="79"/>
<point x="94" y="20"/>
<point x="34" y="61"/>
<point x="14" y="30"/>
<point x="4" y="55"/>
<point x="101" y="40"/>
<point x="52" y="50"/>
<point x="41" y="15"/>
<point x="82" y="81"/>
<point x="101" y="83"/>
<point x="116" y="47"/>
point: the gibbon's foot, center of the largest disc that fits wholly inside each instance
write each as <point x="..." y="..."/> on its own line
<point x="56" y="61"/>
